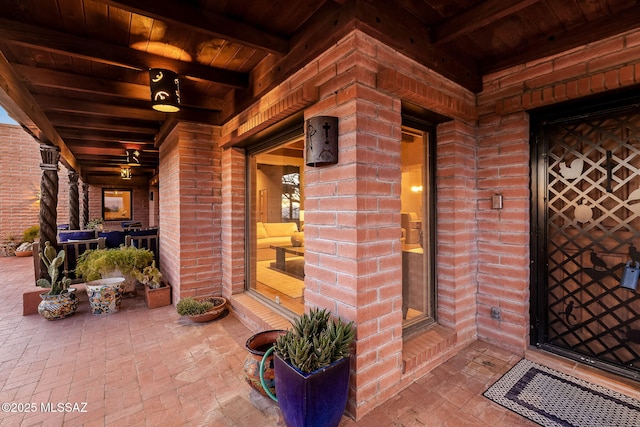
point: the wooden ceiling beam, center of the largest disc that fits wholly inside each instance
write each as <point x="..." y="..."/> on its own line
<point x="19" y="103"/>
<point x="74" y="120"/>
<point x="52" y="103"/>
<point x="474" y="18"/>
<point x="600" y="29"/>
<point x="43" y="77"/>
<point x="99" y="135"/>
<point x="106" y="53"/>
<point x="185" y="15"/>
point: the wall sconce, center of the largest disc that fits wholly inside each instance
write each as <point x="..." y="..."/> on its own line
<point x="321" y="138"/>
<point x="125" y="173"/>
<point x="165" y="90"/>
<point x="133" y="157"/>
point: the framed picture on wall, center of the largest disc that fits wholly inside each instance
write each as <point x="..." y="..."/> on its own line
<point x="116" y="204"/>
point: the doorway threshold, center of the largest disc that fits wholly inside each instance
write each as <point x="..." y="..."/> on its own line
<point x="584" y="372"/>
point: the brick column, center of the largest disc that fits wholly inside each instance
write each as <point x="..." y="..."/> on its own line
<point x="190" y="202"/>
<point x="456" y="227"/>
<point x="74" y="201"/>
<point x="352" y="227"/>
<point x="233" y="221"/>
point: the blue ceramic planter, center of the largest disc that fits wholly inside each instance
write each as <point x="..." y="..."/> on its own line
<point x="317" y="399"/>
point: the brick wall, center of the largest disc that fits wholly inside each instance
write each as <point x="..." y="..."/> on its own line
<point x="352" y="209"/>
<point x="140" y="204"/>
<point x="503" y="167"/>
<point x="190" y="206"/>
<point x="20" y="175"/>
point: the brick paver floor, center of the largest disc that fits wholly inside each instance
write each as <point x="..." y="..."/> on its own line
<point x="142" y="367"/>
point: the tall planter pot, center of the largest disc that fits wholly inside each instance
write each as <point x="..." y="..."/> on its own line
<point x="317" y="399"/>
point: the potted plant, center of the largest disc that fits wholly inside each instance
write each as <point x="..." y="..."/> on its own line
<point x="95" y="224"/>
<point x="61" y="301"/>
<point x="8" y="248"/>
<point x="28" y="236"/>
<point x="156" y="292"/>
<point x="114" y="262"/>
<point x="201" y="309"/>
<point x="311" y="369"/>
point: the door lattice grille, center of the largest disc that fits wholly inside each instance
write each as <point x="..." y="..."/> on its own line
<point x="593" y="229"/>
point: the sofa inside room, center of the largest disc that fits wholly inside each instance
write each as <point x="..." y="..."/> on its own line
<point x="273" y="233"/>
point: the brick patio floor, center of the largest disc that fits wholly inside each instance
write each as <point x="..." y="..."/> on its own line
<point x="150" y="367"/>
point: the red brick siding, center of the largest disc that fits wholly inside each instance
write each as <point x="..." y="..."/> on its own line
<point x="20" y="176"/>
<point x="233" y="221"/>
<point x="190" y="202"/>
<point x="503" y="167"/>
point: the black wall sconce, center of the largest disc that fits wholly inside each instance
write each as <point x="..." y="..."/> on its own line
<point x="321" y="141"/>
<point x="165" y="90"/>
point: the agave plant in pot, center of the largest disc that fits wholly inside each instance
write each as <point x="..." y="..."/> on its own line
<point x="311" y="368"/>
<point x="61" y="301"/>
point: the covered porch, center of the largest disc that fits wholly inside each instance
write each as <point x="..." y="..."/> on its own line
<point x="150" y="367"/>
<point x="421" y="225"/>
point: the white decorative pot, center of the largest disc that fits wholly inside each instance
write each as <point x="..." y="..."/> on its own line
<point x="105" y="295"/>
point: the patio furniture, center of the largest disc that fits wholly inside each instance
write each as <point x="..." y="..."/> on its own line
<point x="113" y="239"/>
<point x="147" y="239"/>
<point x="66" y="235"/>
<point x="131" y="225"/>
<point x="73" y="249"/>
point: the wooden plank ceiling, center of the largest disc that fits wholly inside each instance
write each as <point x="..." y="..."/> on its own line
<point x="74" y="72"/>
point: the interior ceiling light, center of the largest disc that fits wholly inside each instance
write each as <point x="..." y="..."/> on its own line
<point x="165" y="90"/>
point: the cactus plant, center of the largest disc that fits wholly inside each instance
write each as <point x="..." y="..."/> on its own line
<point x="315" y="341"/>
<point x="53" y="262"/>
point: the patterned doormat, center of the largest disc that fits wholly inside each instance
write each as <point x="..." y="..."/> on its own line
<point x="551" y="398"/>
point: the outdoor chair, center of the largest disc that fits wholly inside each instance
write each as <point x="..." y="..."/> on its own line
<point x="73" y="249"/>
<point x="146" y="239"/>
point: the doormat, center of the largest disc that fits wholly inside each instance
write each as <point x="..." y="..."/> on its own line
<point x="551" y="398"/>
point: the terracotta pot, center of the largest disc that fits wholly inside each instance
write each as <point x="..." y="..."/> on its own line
<point x="158" y="297"/>
<point x="213" y="313"/>
<point x="59" y="306"/>
<point x="257" y="345"/>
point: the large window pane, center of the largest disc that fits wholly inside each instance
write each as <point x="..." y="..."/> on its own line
<point x="276" y="271"/>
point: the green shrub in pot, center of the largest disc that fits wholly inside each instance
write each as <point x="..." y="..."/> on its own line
<point x="96" y="263"/>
